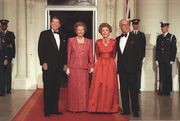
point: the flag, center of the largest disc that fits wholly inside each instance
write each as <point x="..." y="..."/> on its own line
<point x="127" y="9"/>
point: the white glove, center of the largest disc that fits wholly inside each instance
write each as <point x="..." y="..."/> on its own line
<point x="68" y="71"/>
<point x="91" y="70"/>
<point x="157" y="63"/>
<point x="12" y="61"/>
<point x="171" y="62"/>
<point x="143" y="60"/>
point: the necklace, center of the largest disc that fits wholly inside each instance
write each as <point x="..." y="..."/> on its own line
<point x="105" y="42"/>
<point x="80" y="40"/>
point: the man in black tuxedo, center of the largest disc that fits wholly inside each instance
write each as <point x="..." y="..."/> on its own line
<point x="9" y="42"/>
<point x="166" y="50"/>
<point x="53" y="56"/>
<point x="128" y="53"/>
<point x="140" y="36"/>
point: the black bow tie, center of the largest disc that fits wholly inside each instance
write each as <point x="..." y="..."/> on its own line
<point x="56" y="32"/>
<point x="124" y="35"/>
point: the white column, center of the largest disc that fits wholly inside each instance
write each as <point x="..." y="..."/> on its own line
<point x="20" y="80"/>
<point x="151" y="12"/>
<point x="40" y="26"/>
<point x="101" y="13"/>
<point x="110" y="13"/>
<point x="31" y="47"/>
<point x="119" y="15"/>
<point x="174" y="20"/>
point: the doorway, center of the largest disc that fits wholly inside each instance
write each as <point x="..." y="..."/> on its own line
<point x="70" y="15"/>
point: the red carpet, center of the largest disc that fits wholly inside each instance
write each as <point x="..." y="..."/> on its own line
<point x="33" y="111"/>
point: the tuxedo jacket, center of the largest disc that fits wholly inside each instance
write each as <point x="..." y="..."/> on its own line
<point x="48" y="50"/>
<point x="9" y="43"/>
<point x="140" y="36"/>
<point x="128" y="61"/>
<point x="166" y="48"/>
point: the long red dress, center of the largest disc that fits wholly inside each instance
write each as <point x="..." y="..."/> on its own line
<point x="80" y="59"/>
<point x="104" y="95"/>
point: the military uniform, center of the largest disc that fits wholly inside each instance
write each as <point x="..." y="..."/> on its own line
<point x="3" y="56"/>
<point x="165" y="55"/>
<point x="140" y="37"/>
<point x="9" y="39"/>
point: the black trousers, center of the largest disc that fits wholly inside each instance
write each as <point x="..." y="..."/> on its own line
<point x="165" y="74"/>
<point x="51" y="81"/>
<point x="8" y="77"/>
<point x="2" y="78"/>
<point x="139" y="76"/>
<point x="2" y="82"/>
<point x="128" y="87"/>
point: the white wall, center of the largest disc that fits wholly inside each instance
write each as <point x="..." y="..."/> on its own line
<point x="1" y="9"/>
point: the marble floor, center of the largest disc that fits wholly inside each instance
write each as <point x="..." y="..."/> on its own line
<point x="153" y="107"/>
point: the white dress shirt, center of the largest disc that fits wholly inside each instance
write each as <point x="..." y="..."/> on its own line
<point x="135" y="31"/>
<point x="164" y="34"/>
<point x="57" y="38"/>
<point x="123" y="41"/>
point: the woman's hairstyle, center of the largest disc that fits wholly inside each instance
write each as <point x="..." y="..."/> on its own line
<point x="105" y="25"/>
<point x="79" y="23"/>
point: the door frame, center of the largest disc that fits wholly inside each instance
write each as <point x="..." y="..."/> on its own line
<point x="73" y="8"/>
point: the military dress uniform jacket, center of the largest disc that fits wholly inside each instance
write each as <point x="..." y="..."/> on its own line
<point x="9" y="40"/>
<point x="166" y="48"/>
<point x="140" y="36"/>
<point x="3" y="52"/>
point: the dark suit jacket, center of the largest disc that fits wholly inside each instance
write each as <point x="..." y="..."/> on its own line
<point x="129" y="60"/>
<point x="166" y="48"/>
<point x="142" y="43"/>
<point x="48" y="51"/>
<point x="9" y="39"/>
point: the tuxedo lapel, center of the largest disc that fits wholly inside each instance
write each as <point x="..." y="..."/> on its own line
<point x="53" y="39"/>
<point x="62" y="41"/>
<point x="125" y="48"/>
<point x="127" y="43"/>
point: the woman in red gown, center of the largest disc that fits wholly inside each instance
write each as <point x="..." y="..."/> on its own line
<point x="80" y="63"/>
<point x="104" y="95"/>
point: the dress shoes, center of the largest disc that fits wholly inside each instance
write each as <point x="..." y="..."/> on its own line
<point x="166" y="94"/>
<point x="136" y="114"/>
<point x="125" y="113"/>
<point x="46" y="114"/>
<point x="9" y="92"/>
<point x="160" y="93"/>
<point x="2" y="94"/>
<point x="58" y="113"/>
